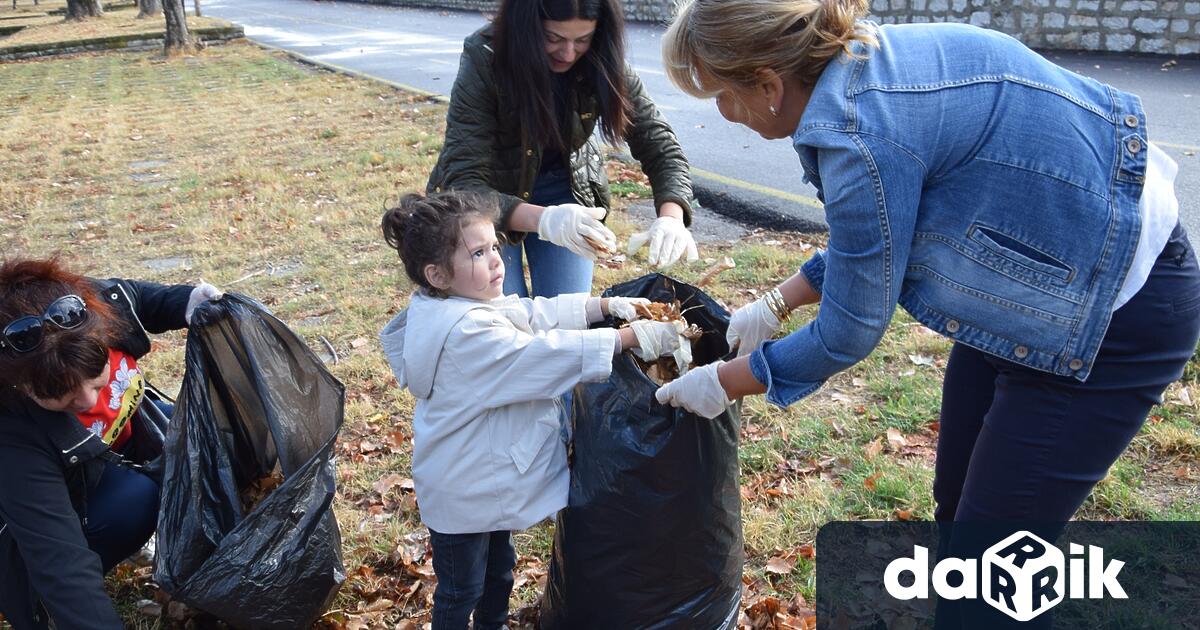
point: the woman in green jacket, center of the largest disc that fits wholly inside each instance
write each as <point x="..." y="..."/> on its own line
<point x="531" y="89"/>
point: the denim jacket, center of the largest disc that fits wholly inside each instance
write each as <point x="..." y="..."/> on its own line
<point x="991" y="193"/>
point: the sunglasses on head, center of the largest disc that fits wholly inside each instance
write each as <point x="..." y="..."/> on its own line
<point x="26" y="333"/>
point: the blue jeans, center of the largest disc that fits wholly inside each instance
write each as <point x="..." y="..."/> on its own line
<point x="1019" y="445"/>
<point x="122" y="514"/>
<point x="122" y="510"/>
<point x="474" y="573"/>
<point x="553" y="270"/>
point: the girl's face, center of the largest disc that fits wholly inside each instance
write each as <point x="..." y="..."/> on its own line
<point x="477" y="268"/>
<point x="82" y="399"/>
<point x="567" y="41"/>
<point x="751" y="107"/>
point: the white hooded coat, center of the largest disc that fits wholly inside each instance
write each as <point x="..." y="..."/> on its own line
<point x="487" y="377"/>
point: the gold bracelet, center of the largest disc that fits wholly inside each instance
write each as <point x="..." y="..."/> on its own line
<point x="778" y="305"/>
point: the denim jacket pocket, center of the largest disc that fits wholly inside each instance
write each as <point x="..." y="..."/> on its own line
<point x="533" y="438"/>
<point x="1012" y="251"/>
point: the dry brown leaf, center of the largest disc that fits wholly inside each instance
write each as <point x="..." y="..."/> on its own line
<point x="896" y="439"/>
<point x="872" y="450"/>
<point x="806" y="551"/>
<point x="780" y="565"/>
<point x="869" y="482"/>
<point x="904" y="515"/>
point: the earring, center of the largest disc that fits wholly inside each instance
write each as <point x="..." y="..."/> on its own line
<point x="772" y="109"/>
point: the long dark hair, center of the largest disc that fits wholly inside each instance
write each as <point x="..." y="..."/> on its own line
<point x="66" y="358"/>
<point x="523" y="68"/>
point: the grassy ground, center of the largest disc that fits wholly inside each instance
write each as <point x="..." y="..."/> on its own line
<point x="266" y="177"/>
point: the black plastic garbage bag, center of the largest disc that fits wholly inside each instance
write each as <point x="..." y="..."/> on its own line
<point x="254" y="400"/>
<point x="652" y="533"/>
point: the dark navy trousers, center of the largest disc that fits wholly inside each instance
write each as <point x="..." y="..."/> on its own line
<point x="475" y="574"/>
<point x="1017" y="444"/>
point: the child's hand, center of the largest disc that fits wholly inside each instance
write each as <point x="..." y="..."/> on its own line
<point x="656" y="339"/>
<point x="623" y="307"/>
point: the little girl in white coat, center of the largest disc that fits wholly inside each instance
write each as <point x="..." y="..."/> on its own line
<point x="488" y="372"/>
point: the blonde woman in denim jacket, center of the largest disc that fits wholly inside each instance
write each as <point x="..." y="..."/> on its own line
<point x="1006" y="203"/>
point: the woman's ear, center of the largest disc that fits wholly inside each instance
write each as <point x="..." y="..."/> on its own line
<point x="770" y="87"/>
<point x="437" y="276"/>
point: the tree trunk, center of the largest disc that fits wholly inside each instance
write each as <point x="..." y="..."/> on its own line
<point x="149" y="8"/>
<point x="83" y="9"/>
<point x="177" y="39"/>
<point x="196" y="4"/>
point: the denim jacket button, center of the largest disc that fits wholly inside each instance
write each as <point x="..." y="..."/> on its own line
<point x="1075" y="364"/>
<point x="1021" y="352"/>
<point x="1131" y="120"/>
<point x="952" y="326"/>
<point x="1134" y="145"/>
<point x="74" y="459"/>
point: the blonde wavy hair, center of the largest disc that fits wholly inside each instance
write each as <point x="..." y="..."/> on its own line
<point x="726" y="42"/>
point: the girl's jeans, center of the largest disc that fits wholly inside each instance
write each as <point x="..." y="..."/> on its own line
<point x="474" y="573"/>
<point x="553" y="270"/>
<point x="1019" y="445"/>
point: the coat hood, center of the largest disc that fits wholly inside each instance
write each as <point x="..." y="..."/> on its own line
<point x="414" y="339"/>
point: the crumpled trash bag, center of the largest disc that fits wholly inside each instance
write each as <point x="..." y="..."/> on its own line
<point x="652" y="533"/>
<point x="254" y="400"/>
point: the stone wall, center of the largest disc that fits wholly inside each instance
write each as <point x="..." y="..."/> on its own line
<point x="1169" y="27"/>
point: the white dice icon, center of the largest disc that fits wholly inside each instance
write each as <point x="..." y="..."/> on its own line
<point x="1023" y="576"/>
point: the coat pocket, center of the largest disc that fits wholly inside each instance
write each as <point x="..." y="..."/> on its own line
<point x="532" y="437"/>
<point x="1013" y="251"/>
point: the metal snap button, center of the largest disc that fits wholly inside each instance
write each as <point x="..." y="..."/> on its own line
<point x="1131" y="120"/>
<point x="74" y="459"/>
<point x="1021" y="352"/>
<point x="952" y="326"/>
<point x="1134" y="145"/>
<point x="528" y="151"/>
<point x="113" y="296"/>
<point x="1075" y="364"/>
<point x="525" y="195"/>
<point x="437" y="189"/>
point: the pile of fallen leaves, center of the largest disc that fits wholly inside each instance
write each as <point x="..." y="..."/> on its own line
<point x="258" y="490"/>
<point x="667" y="369"/>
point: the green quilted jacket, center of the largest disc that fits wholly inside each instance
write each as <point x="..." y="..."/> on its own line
<point x="484" y="150"/>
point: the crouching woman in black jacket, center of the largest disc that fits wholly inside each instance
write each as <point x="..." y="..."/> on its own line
<point x="77" y="422"/>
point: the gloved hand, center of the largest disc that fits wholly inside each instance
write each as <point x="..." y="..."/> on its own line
<point x="577" y="228"/>
<point x="656" y="339"/>
<point x="751" y="325"/>
<point x="204" y="292"/>
<point x="622" y="307"/>
<point x="669" y="238"/>
<point x="699" y="391"/>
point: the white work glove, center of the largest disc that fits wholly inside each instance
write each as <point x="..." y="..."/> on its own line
<point x="204" y="292"/>
<point x="668" y="239"/>
<point x="622" y="307"/>
<point x="699" y="391"/>
<point x="571" y="226"/>
<point x="656" y="339"/>
<point x="751" y="325"/>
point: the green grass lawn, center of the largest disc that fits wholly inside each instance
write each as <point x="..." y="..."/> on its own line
<point x="266" y="177"/>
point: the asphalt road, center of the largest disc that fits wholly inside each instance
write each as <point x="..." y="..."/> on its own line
<point x="735" y="171"/>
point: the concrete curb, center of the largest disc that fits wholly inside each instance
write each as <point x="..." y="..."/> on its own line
<point x="332" y="67"/>
<point x="142" y="41"/>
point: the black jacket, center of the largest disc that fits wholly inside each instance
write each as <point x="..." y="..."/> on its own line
<point x="48" y="463"/>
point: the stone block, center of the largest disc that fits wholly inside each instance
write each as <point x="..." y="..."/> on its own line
<point x="1180" y="25"/>
<point x="1115" y="23"/>
<point x="1087" y="5"/>
<point x="1054" y="20"/>
<point x="1119" y="42"/>
<point x="1090" y="41"/>
<point x="938" y="6"/>
<point x="1150" y="26"/>
<point x="981" y="18"/>
<point x="1083" y="21"/>
<point x="960" y="6"/>
<point x="1154" y="45"/>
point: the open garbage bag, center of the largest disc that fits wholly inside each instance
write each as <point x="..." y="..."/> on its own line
<point x="255" y="401"/>
<point x="652" y="533"/>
